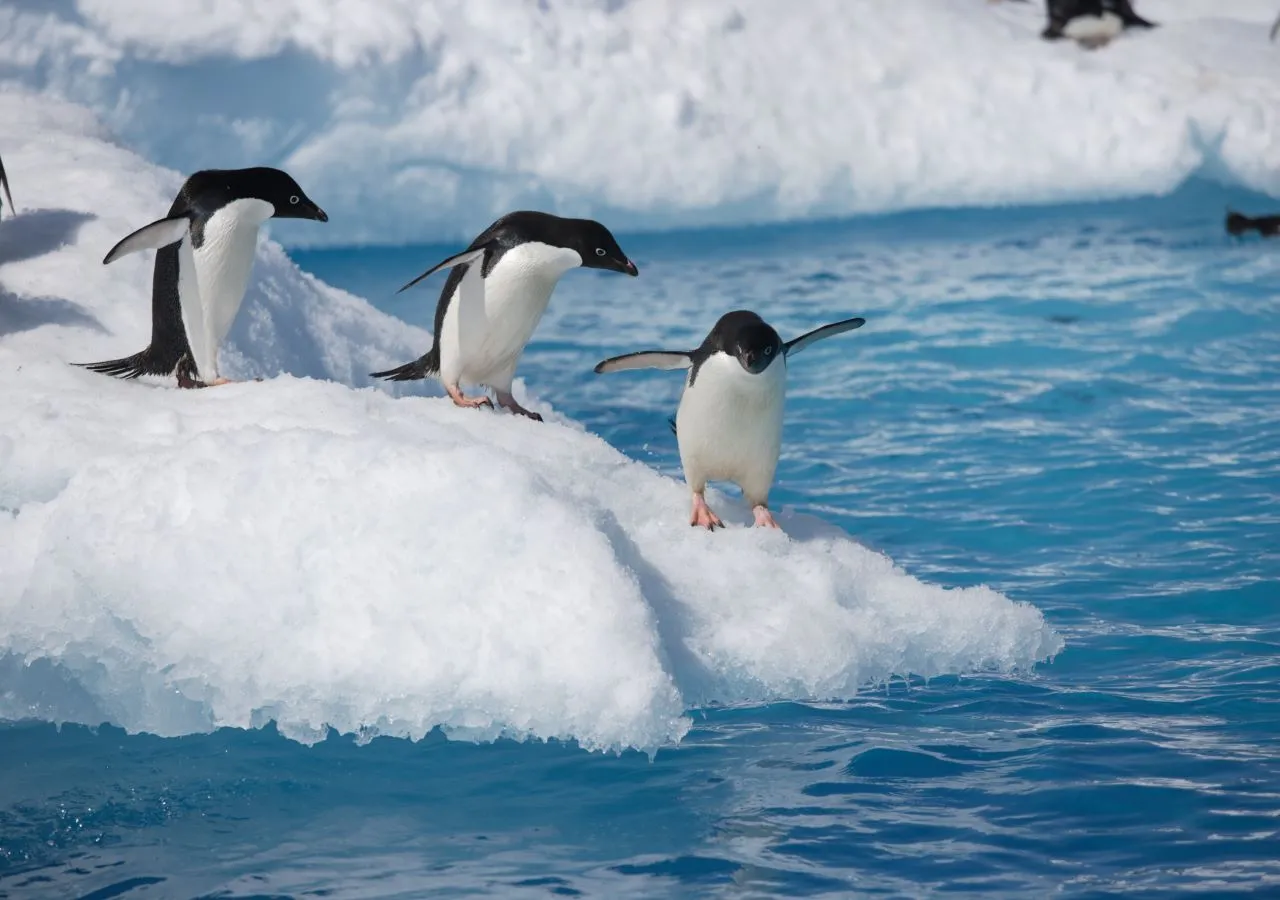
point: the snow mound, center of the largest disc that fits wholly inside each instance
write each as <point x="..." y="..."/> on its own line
<point x="411" y="121"/>
<point x="323" y="555"/>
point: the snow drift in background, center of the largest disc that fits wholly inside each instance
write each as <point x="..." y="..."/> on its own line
<point x="301" y="551"/>
<point x="411" y="121"/>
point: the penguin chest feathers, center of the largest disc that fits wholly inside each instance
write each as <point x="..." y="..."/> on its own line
<point x="489" y="321"/>
<point x="224" y="258"/>
<point x="729" y="424"/>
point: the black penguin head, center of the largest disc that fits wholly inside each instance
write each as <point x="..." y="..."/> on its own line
<point x="215" y="187"/>
<point x="598" y="249"/>
<point x="750" y="339"/>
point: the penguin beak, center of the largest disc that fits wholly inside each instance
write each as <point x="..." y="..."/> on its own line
<point x="319" y="214"/>
<point x="630" y="269"/>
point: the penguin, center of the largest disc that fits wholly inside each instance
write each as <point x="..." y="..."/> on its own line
<point x="1266" y="226"/>
<point x="1275" y="28"/>
<point x="1091" y="23"/>
<point x="729" y="422"/>
<point x="4" y="183"/>
<point x="495" y="296"/>
<point x="206" y="245"/>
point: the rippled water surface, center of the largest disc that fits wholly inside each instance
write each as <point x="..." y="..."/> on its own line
<point x="1077" y="406"/>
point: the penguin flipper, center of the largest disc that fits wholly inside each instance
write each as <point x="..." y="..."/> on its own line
<point x="822" y="333"/>
<point x="4" y="183"/>
<point x="159" y="234"/>
<point x="646" y="359"/>
<point x="466" y="256"/>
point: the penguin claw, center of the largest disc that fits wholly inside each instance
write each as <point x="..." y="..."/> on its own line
<point x="507" y="401"/>
<point x="460" y="399"/>
<point x="764" y="518"/>
<point x="703" y="516"/>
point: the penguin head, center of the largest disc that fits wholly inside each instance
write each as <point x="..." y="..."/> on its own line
<point x="598" y="249"/>
<point x="220" y="186"/>
<point x="751" y="340"/>
<point x="281" y="191"/>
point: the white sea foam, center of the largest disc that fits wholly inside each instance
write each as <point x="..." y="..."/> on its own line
<point x="325" y="555"/>
<point x="410" y="120"/>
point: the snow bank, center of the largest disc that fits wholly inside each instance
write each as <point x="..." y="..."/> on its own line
<point x="322" y="555"/>
<point x="411" y="121"/>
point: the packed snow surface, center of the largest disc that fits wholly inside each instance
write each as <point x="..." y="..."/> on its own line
<point x="314" y="551"/>
<point x="410" y="121"/>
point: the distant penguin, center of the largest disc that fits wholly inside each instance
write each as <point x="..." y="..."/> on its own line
<point x="496" y="295"/>
<point x="1266" y="226"/>
<point x="1091" y="23"/>
<point x="4" y="183"/>
<point x="729" y="424"/>
<point x="1275" y="28"/>
<point x="206" y="247"/>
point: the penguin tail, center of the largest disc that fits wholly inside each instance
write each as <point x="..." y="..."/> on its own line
<point x="148" y="362"/>
<point x="419" y="368"/>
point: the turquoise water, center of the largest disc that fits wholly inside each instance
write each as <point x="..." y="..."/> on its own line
<point x="1079" y="406"/>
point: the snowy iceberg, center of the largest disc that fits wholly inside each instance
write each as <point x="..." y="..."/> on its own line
<point x="317" y="552"/>
<point x="420" y="121"/>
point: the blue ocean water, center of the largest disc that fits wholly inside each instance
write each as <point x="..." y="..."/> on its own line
<point x="1079" y="406"/>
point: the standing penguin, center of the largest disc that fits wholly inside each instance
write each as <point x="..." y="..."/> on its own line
<point x="729" y="424"/>
<point x="206" y="250"/>
<point x="1091" y="23"/>
<point x="496" y="295"/>
<point x="4" y="183"/>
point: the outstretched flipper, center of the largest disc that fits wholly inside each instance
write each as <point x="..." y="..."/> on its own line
<point x="156" y="236"/>
<point x="646" y="359"/>
<point x="4" y="183"/>
<point x="466" y="256"/>
<point x="819" y="334"/>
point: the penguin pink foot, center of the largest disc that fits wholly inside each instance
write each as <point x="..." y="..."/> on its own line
<point x="703" y="516"/>
<point x="459" y="399"/>
<point x="764" y="518"/>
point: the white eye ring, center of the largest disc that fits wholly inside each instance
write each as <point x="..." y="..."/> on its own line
<point x="599" y="251"/>
<point x="768" y="351"/>
<point x="294" y="199"/>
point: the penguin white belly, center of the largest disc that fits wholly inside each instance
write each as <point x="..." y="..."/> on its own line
<point x="489" y="320"/>
<point x="729" y="426"/>
<point x="1094" y="30"/>
<point x="224" y="260"/>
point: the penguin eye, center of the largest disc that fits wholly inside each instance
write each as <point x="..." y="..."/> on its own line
<point x="768" y="351"/>
<point x="599" y="251"/>
<point x="294" y="200"/>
